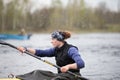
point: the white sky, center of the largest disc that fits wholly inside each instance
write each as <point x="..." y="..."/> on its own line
<point x="112" y="4"/>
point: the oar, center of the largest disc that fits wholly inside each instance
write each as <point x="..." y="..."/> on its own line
<point x="58" y="67"/>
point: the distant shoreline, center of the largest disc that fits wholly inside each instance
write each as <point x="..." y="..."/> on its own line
<point x="72" y="31"/>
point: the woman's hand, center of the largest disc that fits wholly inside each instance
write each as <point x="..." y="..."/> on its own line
<point x="21" y="49"/>
<point x="64" y="68"/>
<point x="69" y="66"/>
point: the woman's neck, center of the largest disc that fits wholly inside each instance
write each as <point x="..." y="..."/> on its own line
<point x="61" y="44"/>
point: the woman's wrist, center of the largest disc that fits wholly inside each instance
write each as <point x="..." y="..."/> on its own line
<point x="72" y="66"/>
<point x="26" y="49"/>
<point x="68" y="66"/>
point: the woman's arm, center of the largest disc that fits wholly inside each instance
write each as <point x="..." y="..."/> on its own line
<point x="79" y="63"/>
<point x="38" y="52"/>
<point x="74" y="54"/>
<point x="67" y="67"/>
<point x="23" y="49"/>
<point x="45" y="53"/>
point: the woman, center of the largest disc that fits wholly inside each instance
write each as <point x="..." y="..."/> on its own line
<point x="67" y="56"/>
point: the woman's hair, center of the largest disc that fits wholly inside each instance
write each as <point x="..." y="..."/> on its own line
<point x="66" y="34"/>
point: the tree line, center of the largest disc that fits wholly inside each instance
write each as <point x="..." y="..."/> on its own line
<point x="76" y="15"/>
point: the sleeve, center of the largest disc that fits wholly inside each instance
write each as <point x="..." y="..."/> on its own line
<point x="45" y="53"/>
<point x="74" y="54"/>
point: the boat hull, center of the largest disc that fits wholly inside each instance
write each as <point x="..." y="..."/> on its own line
<point x="14" y="36"/>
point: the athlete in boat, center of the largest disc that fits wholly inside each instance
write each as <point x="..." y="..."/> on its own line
<point x="66" y="55"/>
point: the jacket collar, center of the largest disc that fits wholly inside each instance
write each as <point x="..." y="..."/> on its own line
<point x="61" y="48"/>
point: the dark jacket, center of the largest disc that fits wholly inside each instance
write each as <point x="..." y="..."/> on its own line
<point x="62" y="57"/>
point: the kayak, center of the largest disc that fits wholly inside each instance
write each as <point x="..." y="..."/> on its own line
<point x="14" y="36"/>
<point x="48" y="75"/>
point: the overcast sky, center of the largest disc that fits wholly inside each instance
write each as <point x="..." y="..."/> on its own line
<point x="112" y="4"/>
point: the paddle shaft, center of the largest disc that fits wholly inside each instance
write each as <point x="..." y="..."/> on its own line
<point x="27" y="52"/>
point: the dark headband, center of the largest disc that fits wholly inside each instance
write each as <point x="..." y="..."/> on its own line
<point x="58" y="35"/>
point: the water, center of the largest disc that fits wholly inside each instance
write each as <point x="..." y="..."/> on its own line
<point x="100" y="51"/>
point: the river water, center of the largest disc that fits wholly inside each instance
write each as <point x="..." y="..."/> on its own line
<point x="100" y="51"/>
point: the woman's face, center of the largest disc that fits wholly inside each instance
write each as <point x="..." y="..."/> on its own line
<point x="55" y="42"/>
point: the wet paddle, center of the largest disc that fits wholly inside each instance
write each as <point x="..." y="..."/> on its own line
<point x="5" y="43"/>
